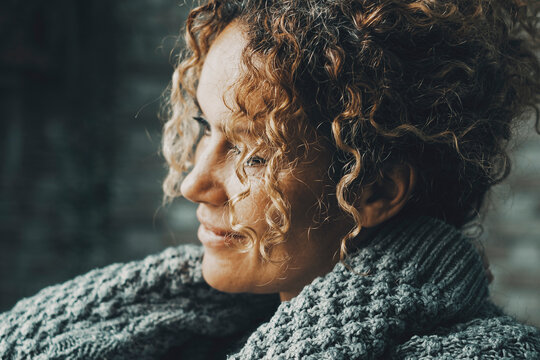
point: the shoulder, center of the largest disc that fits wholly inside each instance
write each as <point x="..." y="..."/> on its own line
<point x="180" y="263"/>
<point x="498" y="337"/>
<point x="109" y="295"/>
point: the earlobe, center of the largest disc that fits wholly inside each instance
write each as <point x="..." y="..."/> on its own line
<point x="387" y="197"/>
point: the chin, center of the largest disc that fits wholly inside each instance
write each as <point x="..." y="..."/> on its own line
<point x="221" y="276"/>
<point x="232" y="273"/>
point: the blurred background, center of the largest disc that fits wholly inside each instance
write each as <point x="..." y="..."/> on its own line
<point x="81" y="85"/>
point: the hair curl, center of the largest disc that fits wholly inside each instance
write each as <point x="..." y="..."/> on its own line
<point x="433" y="84"/>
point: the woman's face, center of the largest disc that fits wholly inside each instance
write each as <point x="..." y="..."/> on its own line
<point x="213" y="182"/>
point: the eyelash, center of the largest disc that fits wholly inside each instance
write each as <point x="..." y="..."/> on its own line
<point x="253" y="161"/>
<point x="204" y="125"/>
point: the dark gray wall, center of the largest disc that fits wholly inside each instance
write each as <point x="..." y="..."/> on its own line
<point x="512" y="236"/>
<point x="79" y="138"/>
<point x="80" y="83"/>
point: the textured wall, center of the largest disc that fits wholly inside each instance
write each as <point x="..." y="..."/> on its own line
<point x="512" y="231"/>
<point x="79" y="138"/>
<point x="80" y="172"/>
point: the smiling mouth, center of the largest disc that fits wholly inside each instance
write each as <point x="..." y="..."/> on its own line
<point x="216" y="238"/>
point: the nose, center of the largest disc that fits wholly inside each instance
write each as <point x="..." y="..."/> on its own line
<point x="206" y="181"/>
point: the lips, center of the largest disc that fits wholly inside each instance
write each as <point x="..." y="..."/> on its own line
<point x="214" y="237"/>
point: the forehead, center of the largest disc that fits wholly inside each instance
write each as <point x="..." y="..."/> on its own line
<point x="220" y="71"/>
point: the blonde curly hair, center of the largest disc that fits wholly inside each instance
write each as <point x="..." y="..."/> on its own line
<point x="433" y="84"/>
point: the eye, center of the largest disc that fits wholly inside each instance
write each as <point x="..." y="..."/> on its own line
<point x="253" y="161"/>
<point x="204" y="126"/>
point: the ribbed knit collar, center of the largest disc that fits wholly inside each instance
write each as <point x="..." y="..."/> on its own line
<point x="413" y="276"/>
<point x="434" y="256"/>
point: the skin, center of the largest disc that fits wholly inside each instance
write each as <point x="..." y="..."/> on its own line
<point x="312" y="249"/>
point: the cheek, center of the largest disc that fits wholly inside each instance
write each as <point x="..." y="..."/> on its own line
<point x="251" y="210"/>
<point x="307" y="201"/>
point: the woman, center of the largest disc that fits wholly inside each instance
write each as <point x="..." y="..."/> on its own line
<point x="335" y="148"/>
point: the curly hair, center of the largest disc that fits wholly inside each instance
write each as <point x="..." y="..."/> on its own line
<point x="434" y="84"/>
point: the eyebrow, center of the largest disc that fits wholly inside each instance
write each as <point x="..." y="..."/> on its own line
<point x="220" y="127"/>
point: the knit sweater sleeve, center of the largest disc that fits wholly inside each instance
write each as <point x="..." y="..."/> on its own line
<point x="499" y="337"/>
<point x="124" y="311"/>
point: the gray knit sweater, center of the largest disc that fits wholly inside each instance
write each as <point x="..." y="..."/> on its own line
<point x="417" y="291"/>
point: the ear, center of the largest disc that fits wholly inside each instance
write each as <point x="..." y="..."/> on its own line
<point x="386" y="198"/>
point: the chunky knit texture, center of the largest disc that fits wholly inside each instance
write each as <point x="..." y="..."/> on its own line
<point x="417" y="290"/>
